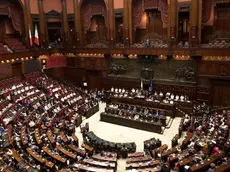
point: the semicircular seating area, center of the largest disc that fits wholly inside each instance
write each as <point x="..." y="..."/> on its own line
<point x="38" y="120"/>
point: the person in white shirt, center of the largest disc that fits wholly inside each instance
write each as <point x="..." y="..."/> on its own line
<point x="56" y="95"/>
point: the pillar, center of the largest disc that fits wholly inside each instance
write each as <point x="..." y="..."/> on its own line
<point x="29" y="22"/>
<point x="193" y="34"/>
<point x="77" y="23"/>
<point x="131" y="29"/>
<point x="172" y="21"/>
<point x="199" y="31"/>
<point x="65" y="22"/>
<point x="126" y="22"/>
<point x="42" y="32"/>
<point x="111" y="20"/>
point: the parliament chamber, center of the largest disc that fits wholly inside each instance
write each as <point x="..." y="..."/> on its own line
<point x="115" y="85"/>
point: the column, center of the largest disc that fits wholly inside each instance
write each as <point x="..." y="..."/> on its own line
<point x="199" y="22"/>
<point x="42" y="33"/>
<point x="111" y="20"/>
<point x="131" y="29"/>
<point x="65" y="22"/>
<point x="173" y="21"/>
<point x="193" y="22"/>
<point x="77" y="23"/>
<point x="126" y="22"/>
<point x="169" y="19"/>
<point x="29" y="22"/>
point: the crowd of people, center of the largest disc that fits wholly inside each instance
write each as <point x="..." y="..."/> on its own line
<point x="41" y="122"/>
<point x="137" y="113"/>
<point x="37" y="131"/>
<point x="168" y="98"/>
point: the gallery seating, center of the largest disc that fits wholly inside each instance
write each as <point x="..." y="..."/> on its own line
<point x="3" y="50"/>
<point x="15" y="45"/>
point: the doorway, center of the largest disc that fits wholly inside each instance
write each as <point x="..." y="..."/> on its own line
<point x="221" y="92"/>
<point x="54" y="33"/>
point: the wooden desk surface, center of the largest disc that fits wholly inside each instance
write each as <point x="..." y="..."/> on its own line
<point x="187" y="139"/>
<point x="169" y="151"/>
<point x="207" y="162"/>
<point x="142" y="164"/>
<point x="163" y="147"/>
<point x="173" y="158"/>
<point x="63" y="137"/>
<point x="147" y="170"/>
<point x="50" y="136"/>
<point x="136" y="102"/>
<point x="8" y="169"/>
<point x="145" y="104"/>
<point x="92" y="168"/>
<point x="87" y="147"/>
<point x="51" y="121"/>
<point x="135" y="113"/>
<point x="223" y="167"/>
<point x="138" y="159"/>
<point x="186" y="160"/>
<point x="16" y="156"/>
<point x="77" y="150"/>
<point x="49" y="164"/>
<point x="102" y="158"/>
<point x="100" y="163"/>
<point x="67" y="153"/>
<point x="9" y="132"/>
<point x="23" y="135"/>
<point x="136" y="154"/>
<point x="75" y="137"/>
<point x="37" y="136"/>
<point x="38" y="158"/>
<point x="57" y="157"/>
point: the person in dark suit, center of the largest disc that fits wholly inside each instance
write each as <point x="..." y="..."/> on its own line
<point x="165" y="167"/>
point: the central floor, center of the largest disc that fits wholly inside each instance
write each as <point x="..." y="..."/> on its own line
<point x="117" y="133"/>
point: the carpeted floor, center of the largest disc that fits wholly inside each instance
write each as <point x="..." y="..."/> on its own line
<point x="117" y="133"/>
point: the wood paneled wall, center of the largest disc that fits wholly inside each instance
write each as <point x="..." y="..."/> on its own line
<point x="91" y="70"/>
<point x="213" y="82"/>
<point x="212" y="86"/>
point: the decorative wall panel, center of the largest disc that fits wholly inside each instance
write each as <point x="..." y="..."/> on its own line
<point x="5" y="71"/>
<point x="165" y="70"/>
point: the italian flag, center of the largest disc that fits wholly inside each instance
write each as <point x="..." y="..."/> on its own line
<point x="30" y="37"/>
<point x="36" y="38"/>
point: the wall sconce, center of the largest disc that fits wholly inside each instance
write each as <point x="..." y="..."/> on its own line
<point x="2" y="62"/>
<point x="22" y="59"/>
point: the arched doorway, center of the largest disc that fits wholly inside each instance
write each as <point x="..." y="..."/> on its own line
<point x="94" y="22"/>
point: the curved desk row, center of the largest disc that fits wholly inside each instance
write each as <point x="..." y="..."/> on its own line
<point x="120" y="148"/>
<point x="142" y="125"/>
